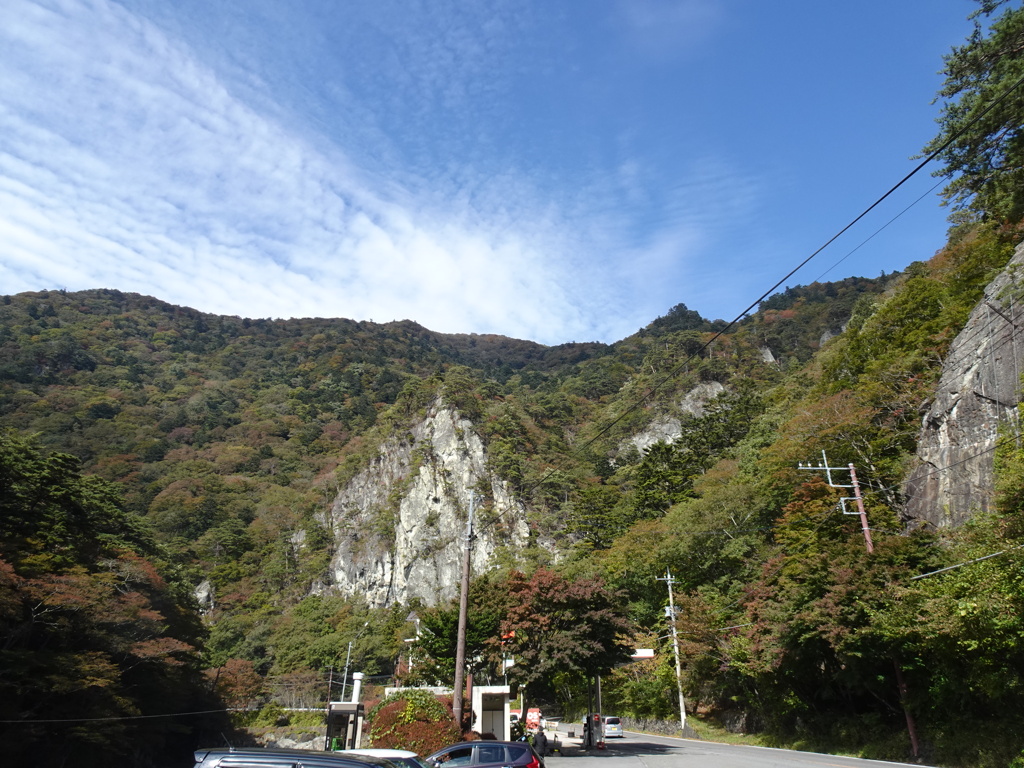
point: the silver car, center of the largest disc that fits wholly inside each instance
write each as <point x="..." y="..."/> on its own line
<point x="612" y="727"/>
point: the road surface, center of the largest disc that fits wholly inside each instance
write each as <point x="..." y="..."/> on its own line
<point x="638" y="750"/>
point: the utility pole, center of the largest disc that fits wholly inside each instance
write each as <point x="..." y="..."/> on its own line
<point x="824" y="467"/>
<point x="671" y="613"/>
<point x="901" y="683"/>
<point x="460" y="645"/>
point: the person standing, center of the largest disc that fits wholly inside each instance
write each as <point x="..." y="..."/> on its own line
<point x="540" y="742"/>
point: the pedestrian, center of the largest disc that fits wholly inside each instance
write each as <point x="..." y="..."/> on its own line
<point x="540" y="742"/>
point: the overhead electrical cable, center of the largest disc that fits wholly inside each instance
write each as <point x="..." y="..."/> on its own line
<point x="124" y="717"/>
<point x="674" y="371"/>
<point x="968" y="562"/>
<point x="878" y="231"/>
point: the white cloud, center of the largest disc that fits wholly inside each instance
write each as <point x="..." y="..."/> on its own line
<point x="668" y="29"/>
<point x="136" y="169"/>
<point x="127" y="162"/>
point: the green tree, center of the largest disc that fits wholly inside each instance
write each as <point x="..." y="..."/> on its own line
<point x="560" y="629"/>
<point x="598" y="515"/>
<point x="438" y="634"/>
<point x="983" y="118"/>
<point x="89" y="626"/>
<point x="667" y="472"/>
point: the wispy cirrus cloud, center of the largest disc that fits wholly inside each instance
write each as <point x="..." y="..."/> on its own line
<point x="274" y="181"/>
<point x="661" y="29"/>
<point x="126" y="164"/>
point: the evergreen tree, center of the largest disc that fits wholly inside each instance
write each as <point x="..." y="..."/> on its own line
<point x="984" y="118"/>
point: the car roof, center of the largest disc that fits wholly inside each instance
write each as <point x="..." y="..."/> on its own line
<point x="235" y="755"/>
<point x="484" y="741"/>
<point x="381" y="752"/>
<point x="480" y="744"/>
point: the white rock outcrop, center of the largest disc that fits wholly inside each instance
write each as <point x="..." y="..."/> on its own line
<point x="665" y="428"/>
<point x="399" y="525"/>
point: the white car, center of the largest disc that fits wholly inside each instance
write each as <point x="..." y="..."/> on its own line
<point x="612" y="727"/>
<point x="400" y="757"/>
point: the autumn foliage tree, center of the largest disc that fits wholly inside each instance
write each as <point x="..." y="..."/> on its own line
<point x="559" y="628"/>
<point x="98" y="649"/>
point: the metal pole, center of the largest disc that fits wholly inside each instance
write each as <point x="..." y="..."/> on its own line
<point x="348" y="657"/>
<point x="675" y="649"/>
<point x="344" y="680"/>
<point x="330" y="686"/>
<point x="460" y="645"/>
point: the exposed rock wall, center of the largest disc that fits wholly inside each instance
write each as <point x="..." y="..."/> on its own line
<point x="399" y="525"/>
<point x="977" y="393"/>
<point x="666" y="428"/>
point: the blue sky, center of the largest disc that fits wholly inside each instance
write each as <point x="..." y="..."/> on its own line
<point x="558" y="170"/>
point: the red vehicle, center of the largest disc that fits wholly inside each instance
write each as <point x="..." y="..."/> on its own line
<point x="533" y="718"/>
<point x="486" y="754"/>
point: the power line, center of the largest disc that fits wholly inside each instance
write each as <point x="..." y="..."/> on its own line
<point x="872" y="236"/>
<point x="968" y="562"/>
<point x="124" y="717"/>
<point x="653" y="389"/>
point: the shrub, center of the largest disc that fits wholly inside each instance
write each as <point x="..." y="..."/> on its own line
<point x="413" y="720"/>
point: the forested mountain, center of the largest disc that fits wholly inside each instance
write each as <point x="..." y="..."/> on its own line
<point x="229" y="439"/>
<point x="204" y="511"/>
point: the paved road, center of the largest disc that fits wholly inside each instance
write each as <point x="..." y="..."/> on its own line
<point x="638" y="750"/>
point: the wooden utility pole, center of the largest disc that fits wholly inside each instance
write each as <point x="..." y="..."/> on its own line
<point x="860" y="509"/>
<point x="824" y="467"/>
<point x="460" y="644"/>
<point x="901" y="683"/>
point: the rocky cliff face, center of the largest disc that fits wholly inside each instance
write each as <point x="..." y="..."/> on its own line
<point x="666" y="428"/>
<point x="399" y="525"/>
<point x="978" y="393"/>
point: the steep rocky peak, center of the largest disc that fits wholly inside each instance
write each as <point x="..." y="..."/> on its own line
<point x="399" y="525"/>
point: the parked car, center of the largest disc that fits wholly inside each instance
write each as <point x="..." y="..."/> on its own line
<point x="400" y="757"/>
<point x="486" y="754"/>
<point x="245" y="757"/>
<point x="612" y="727"/>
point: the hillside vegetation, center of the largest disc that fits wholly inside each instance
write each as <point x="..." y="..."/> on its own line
<point x="151" y="455"/>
